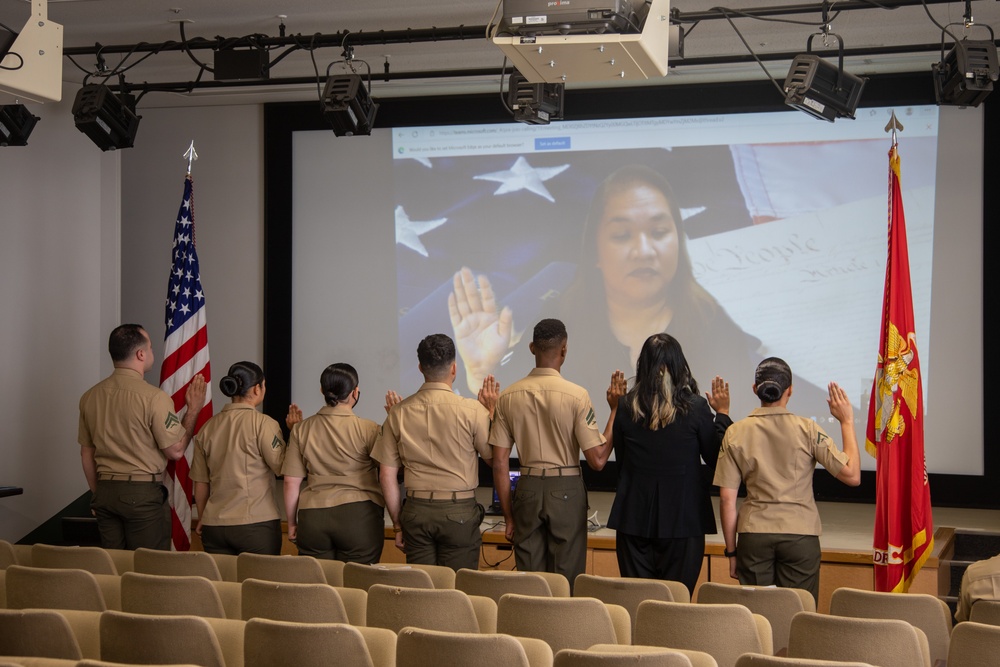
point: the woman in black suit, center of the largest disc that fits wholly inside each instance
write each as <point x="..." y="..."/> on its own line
<point x="663" y="431"/>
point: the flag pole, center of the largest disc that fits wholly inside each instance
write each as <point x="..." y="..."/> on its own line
<point x="191" y="154"/>
<point x="891" y="126"/>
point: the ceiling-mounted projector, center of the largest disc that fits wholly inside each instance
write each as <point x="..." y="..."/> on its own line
<point x="595" y="40"/>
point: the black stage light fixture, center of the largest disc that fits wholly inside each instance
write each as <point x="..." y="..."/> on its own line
<point x="108" y="119"/>
<point x="348" y="106"/>
<point x="534" y="103"/>
<point x="16" y="124"/>
<point x="821" y="89"/>
<point x="241" y="64"/>
<point x="965" y="75"/>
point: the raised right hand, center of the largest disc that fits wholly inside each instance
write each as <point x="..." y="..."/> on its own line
<point x="840" y="404"/>
<point x="391" y="398"/>
<point x="482" y="335"/>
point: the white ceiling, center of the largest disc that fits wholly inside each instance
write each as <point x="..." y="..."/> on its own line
<point x="126" y="22"/>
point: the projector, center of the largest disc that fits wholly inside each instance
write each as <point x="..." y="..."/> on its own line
<point x="571" y="17"/>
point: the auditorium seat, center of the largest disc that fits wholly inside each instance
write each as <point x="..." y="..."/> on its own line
<point x="22" y="661"/>
<point x="974" y="645"/>
<point x="494" y="584"/>
<point x="154" y="639"/>
<point x="443" y="577"/>
<point x="724" y="631"/>
<point x="37" y="632"/>
<point x="986" y="611"/>
<point x="696" y="658"/>
<point x="7" y="554"/>
<point x="758" y="660"/>
<point x="563" y="622"/>
<point x="124" y="559"/>
<point x="357" y="575"/>
<point x="295" y="603"/>
<point x="92" y="559"/>
<point x="269" y="642"/>
<point x="170" y="595"/>
<point x="925" y="612"/>
<point x="45" y="588"/>
<point x="777" y="605"/>
<point x="880" y="641"/>
<point x="447" y="610"/>
<point x="333" y="570"/>
<point x="176" y="563"/>
<point x="227" y="566"/>
<point x="625" y="656"/>
<point x="103" y="663"/>
<point x="416" y="647"/>
<point x="629" y="592"/>
<point x="291" y="569"/>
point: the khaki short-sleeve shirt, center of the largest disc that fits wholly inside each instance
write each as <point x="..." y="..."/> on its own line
<point x="981" y="581"/>
<point x="332" y="450"/>
<point x="435" y="435"/>
<point x="775" y="453"/>
<point x="128" y="421"/>
<point x="550" y="419"/>
<point x="237" y="453"/>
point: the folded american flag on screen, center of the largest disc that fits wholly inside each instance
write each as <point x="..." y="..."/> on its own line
<point x="185" y="355"/>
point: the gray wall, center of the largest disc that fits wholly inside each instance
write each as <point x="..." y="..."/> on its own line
<point x="86" y="245"/>
<point x="59" y="291"/>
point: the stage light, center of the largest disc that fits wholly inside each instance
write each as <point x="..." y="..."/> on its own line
<point x="347" y="105"/>
<point x="534" y="103"/>
<point x="108" y="119"/>
<point x="965" y="76"/>
<point x="16" y="124"/>
<point x="241" y="65"/>
<point x="820" y="89"/>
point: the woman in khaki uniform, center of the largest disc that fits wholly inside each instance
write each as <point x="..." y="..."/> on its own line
<point x="237" y="453"/>
<point x="339" y="514"/>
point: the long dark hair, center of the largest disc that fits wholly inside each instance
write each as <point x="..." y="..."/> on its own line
<point x="664" y="385"/>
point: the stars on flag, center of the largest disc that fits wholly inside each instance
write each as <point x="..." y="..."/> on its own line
<point x="522" y="176"/>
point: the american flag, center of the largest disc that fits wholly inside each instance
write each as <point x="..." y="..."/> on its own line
<point x="185" y="355"/>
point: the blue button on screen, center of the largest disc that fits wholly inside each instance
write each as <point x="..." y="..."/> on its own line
<point x="552" y="144"/>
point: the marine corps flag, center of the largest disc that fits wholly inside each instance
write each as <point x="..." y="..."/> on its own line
<point x="904" y="536"/>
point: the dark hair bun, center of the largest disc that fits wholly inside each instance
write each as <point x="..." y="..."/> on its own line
<point x="230" y="386"/>
<point x="769" y="391"/>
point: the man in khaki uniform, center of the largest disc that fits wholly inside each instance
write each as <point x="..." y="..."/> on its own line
<point x="775" y="452"/>
<point x="128" y="430"/>
<point x="551" y="420"/>
<point x="981" y="581"/>
<point x="436" y="436"/>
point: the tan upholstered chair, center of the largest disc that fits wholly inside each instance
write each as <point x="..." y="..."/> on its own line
<point x="46" y="588"/>
<point x="495" y="583"/>
<point x="974" y="645"/>
<point x="443" y="577"/>
<point x="124" y="559"/>
<point x="880" y="641"/>
<point x="416" y="647"/>
<point x="724" y="631"/>
<point x="7" y="554"/>
<point x="176" y="563"/>
<point x="334" y="571"/>
<point x="986" y="611"/>
<point x="37" y="632"/>
<point x="357" y="575"/>
<point x="642" y="656"/>
<point x="268" y="643"/>
<point x="925" y="612"/>
<point x="92" y="559"/>
<point x="227" y="566"/>
<point x="777" y="605"/>
<point x="170" y="596"/>
<point x="758" y="660"/>
<point x="448" y="610"/>
<point x="295" y="603"/>
<point x="628" y="592"/>
<point x="696" y="658"/>
<point x="148" y="639"/>
<point x="102" y="663"/>
<point x="292" y="569"/>
<point x="562" y="622"/>
<point x="22" y="661"/>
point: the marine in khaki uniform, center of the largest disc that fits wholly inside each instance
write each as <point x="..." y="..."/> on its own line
<point x="981" y="581"/>
<point x="775" y="452"/>
<point x="340" y="513"/>
<point x="128" y="431"/>
<point x="237" y="453"/>
<point x="551" y="420"/>
<point x="437" y="437"/>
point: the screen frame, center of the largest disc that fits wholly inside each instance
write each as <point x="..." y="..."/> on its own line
<point x="282" y="120"/>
